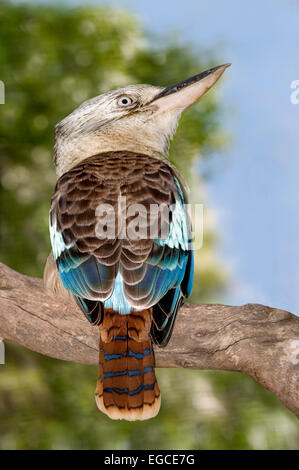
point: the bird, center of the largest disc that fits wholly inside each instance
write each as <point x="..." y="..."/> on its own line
<point x="128" y="278"/>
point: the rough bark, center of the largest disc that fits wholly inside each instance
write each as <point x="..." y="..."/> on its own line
<point x="260" y="341"/>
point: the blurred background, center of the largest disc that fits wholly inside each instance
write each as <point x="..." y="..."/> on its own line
<point x="238" y="150"/>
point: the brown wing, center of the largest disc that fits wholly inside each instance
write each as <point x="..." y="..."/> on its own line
<point x="89" y="261"/>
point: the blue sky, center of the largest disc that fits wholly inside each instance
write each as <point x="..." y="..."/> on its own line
<point x="254" y="187"/>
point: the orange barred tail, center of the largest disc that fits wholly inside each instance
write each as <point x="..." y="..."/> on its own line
<point x="127" y="387"/>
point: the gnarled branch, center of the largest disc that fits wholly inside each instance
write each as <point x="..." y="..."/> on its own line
<point x="260" y="341"/>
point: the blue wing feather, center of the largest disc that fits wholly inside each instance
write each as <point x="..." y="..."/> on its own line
<point x="178" y="276"/>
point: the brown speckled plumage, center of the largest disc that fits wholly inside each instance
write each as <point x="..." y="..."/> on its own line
<point x="101" y="179"/>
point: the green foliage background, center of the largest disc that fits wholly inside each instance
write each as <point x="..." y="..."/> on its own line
<point x="51" y="59"/>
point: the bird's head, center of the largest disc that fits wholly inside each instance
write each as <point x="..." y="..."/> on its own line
<point x="138" y="118"/>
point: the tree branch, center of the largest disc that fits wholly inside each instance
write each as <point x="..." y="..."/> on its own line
<point x="260" y="341"/>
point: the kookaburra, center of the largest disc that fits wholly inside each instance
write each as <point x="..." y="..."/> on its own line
<point x="114" y="149"/>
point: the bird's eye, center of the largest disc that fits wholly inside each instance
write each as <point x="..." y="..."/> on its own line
<point x="124" y="101"/>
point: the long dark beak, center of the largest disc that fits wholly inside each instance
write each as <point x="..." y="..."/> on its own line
<point x="185" y="93"/>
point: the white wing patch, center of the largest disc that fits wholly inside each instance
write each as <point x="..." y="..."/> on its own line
<point x="57" y="242"/>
